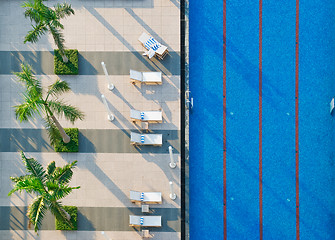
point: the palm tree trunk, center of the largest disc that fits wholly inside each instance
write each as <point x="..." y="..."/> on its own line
<point x="64" y="57"/>
<point x="66" y="138"/>
<point x="68" y="217"/>
<point x="59" y="41"/>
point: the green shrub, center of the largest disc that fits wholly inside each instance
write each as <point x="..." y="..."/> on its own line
<point x="72" y="210"/>
<point x="69" y="68"/>
<point x="72" y="146"/>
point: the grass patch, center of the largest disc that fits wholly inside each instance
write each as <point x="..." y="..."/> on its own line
<point x="69" y="68"/>
<point x="72" y="146"/>
<point x="72" y="210"/>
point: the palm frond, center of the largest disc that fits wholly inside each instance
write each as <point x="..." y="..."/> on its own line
<point x="51" y="168"/>
<point x="58" y="88"/>
<point x="32" y="10"/>
<point x="29" y="185"/>
<point x="27" y="77"/>
<point x="37" y="211"/>
<point x="34" y="34"/>
<point x="52" y="186"/>
<point x="26" y="110"/>
<point x="70" y="113"/>
<point x="63" y="10"/>
<point x="64" y="174"/>
<point x="62" y="191"/>
<point x="58" y="211"/>
<point x="52" y="130"/>
<point x="20" y="178"/>
<point x="34" y="167"/>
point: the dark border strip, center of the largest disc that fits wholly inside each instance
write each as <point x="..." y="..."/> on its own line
<point x="182" y="108"/>
<point x="90" y="141"/>
<point x="90" y="62"/>
<point x="260" y="125"/>
<point x="224" y="124"/>
<point x="91" y="219"/>
<point x="297" y="119"/>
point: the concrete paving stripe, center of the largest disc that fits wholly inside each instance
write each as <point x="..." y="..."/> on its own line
<point x="117" y="63"/>
<point x="93" y="219"/>
<point x="90" y="141"/>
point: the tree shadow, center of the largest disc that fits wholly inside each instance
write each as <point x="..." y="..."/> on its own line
<point x="27" y="140"/>
<point x="85" y="67"/>
<point x="83" y="223"/>
<point x="176" y="3"/>
<point x="170" y="173"/>
<point x="134" y="209"/>
<point x="118" y="36"/>
<point x="36" y="59"/>
<point x="146" y="27"/>
<point x="85" y="145"/>
<point x="118" y="4"/>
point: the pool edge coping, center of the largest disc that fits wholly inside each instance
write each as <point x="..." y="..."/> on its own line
<point x="184" y="30"/>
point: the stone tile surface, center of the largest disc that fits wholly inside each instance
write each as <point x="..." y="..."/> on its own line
<point x="105" y="178"/>
<point x="98" y="25"/>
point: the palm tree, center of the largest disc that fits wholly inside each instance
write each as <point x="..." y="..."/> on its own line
<point x="47" y="19"/>
<point x="34" y="103"/>
<point x="49" y="186"/>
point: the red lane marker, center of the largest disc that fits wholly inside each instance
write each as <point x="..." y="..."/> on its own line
<point x="260" y="125"/>
<point x="297" y="119"/>
<point x="224" y="126"/>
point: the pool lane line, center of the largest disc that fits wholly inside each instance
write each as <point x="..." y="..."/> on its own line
<point x="224" y="126"/>
<point x="260" y="125"/>
<point x="297" y="119"/>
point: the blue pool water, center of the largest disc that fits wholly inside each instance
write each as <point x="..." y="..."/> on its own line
<point x="316" y="125"/>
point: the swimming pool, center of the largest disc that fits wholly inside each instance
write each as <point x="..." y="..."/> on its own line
<point x="268" y="96"/>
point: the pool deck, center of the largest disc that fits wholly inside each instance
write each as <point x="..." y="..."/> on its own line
<point x="108" y="167"/>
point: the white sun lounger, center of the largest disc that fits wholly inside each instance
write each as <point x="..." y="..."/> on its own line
<point x="146" y="77"/>
<point x="146" y="139"/>
<point x="146" y="116"/>
<point x="146" y="197"/>
<point x="153" y="46"/>
<point x="145" y="221"/>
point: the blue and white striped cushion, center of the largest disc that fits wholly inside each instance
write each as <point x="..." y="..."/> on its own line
<point x="152" y="43"/>
<point x="142" y="197"/>
<point x="142" y="138"/>
<point x="142" y="115"/>
<point x="152" y="40"/>
<point x="147" y="45"/>
<point x="155" y="46"/>
<point x="141" y="220"/>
